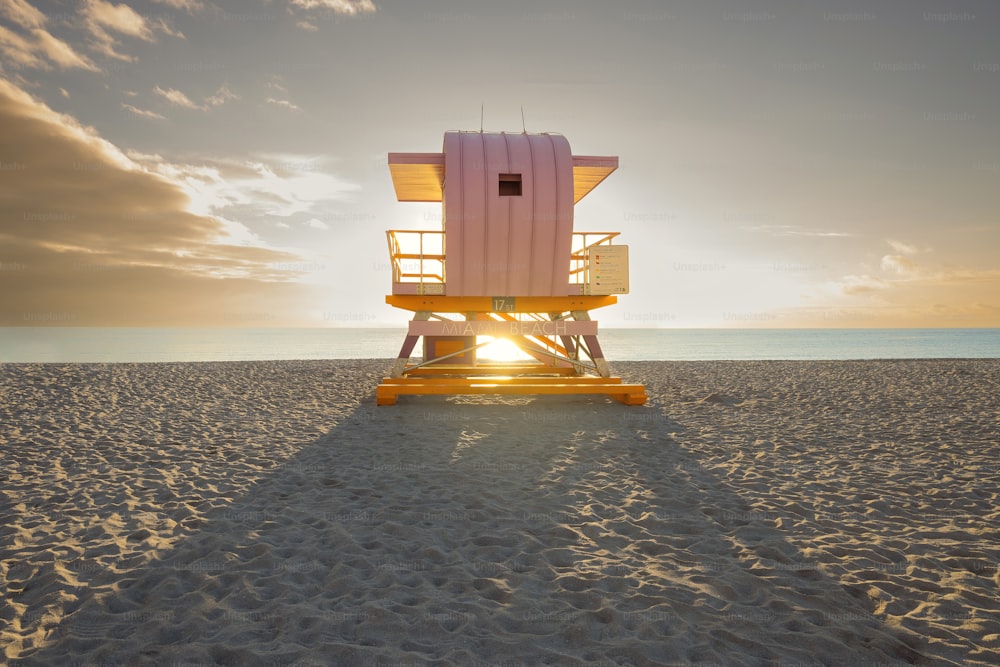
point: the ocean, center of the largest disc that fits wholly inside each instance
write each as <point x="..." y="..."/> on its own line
<point x="122" y="344"/>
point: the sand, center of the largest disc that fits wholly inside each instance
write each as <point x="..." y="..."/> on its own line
<point x="753" y="513"/>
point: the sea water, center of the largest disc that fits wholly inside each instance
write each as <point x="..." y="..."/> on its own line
<point x="124" y="344"/>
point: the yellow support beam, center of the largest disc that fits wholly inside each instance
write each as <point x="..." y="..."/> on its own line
<point x="502" y="379"/>
<point x="629" y="394"/>
<point x="486" y="368"/>
<point x="485" y="304"/>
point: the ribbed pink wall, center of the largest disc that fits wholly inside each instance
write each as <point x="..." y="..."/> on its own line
<point x="507" y="245"/>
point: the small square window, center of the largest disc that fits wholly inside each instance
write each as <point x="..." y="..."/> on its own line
<point x="510" y="185"/>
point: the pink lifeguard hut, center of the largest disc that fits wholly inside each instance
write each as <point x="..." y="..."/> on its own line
<point x="506" y="263"/>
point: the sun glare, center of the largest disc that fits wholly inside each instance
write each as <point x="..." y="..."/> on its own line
<point x="501" y="349"/>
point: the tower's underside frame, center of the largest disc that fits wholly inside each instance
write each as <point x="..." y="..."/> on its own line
<point x="556" y="332"/>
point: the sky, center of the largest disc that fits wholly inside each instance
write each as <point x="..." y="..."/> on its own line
<point x="224" y="162"/>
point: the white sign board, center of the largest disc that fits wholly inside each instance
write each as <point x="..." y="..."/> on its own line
<point x="607" y="270"/>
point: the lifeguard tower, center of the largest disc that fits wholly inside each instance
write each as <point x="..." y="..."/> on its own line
<point x="506" y="263"/>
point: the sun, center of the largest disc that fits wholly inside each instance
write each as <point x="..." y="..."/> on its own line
<point x="500" y="349"/>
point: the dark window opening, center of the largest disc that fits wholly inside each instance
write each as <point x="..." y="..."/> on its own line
<point x="510" y="185"/>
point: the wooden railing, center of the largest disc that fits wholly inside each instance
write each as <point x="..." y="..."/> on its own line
<point x="426" y="249"/>
<point x="578" y="257"/>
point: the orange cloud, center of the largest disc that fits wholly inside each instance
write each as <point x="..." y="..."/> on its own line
<point x="911" y="293"/>
<point x="898" y="264"/>
<point x="34" y="47"/>
<point x="95" y="238"/>
<point x="23" y="14"/>
<point x="102" y="19"/>
<point x="903" y="248"/>
<point x="854" y="285"/>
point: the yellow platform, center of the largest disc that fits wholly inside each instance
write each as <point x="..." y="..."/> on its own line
<point x="437" y="385"/>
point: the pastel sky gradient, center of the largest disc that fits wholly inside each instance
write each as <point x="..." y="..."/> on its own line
<point x="223" y="162"/>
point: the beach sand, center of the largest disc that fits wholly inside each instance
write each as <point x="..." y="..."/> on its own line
<point x="753" y="513"/>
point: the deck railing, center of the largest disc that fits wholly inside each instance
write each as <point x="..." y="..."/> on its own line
<point x="582" y="242"/>
<point x="418" y="256"/>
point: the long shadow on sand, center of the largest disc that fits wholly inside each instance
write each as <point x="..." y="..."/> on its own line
<point x="535" y="531"/>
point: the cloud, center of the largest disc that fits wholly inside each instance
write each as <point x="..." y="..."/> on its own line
<point x="221" y="96"/>
<point x="189" y="6"/>
<point x="22" y="13"/>
<point x="21" y="51"/>
<point x="275" y="83"/>
<point x="960" y="275"/>
<point x="912" y="291"/>
<point x="898" y="264"/>
<point x="176" y="97"/>
<point x="282" y="103"/>
<point x="145" y="113"/>
<point x="102" y="19"/>
<point x="865" y="284"/>
<point x="316" y="224"/>
<point x="349" y="7"/>
<point x="35" y="47"/>
<point x="794" y="230"/>
<point x="102" y="240"/>
<point x="902" y="248"/>
<point x="61" y="53"/>
<point x="266" y="186"/>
